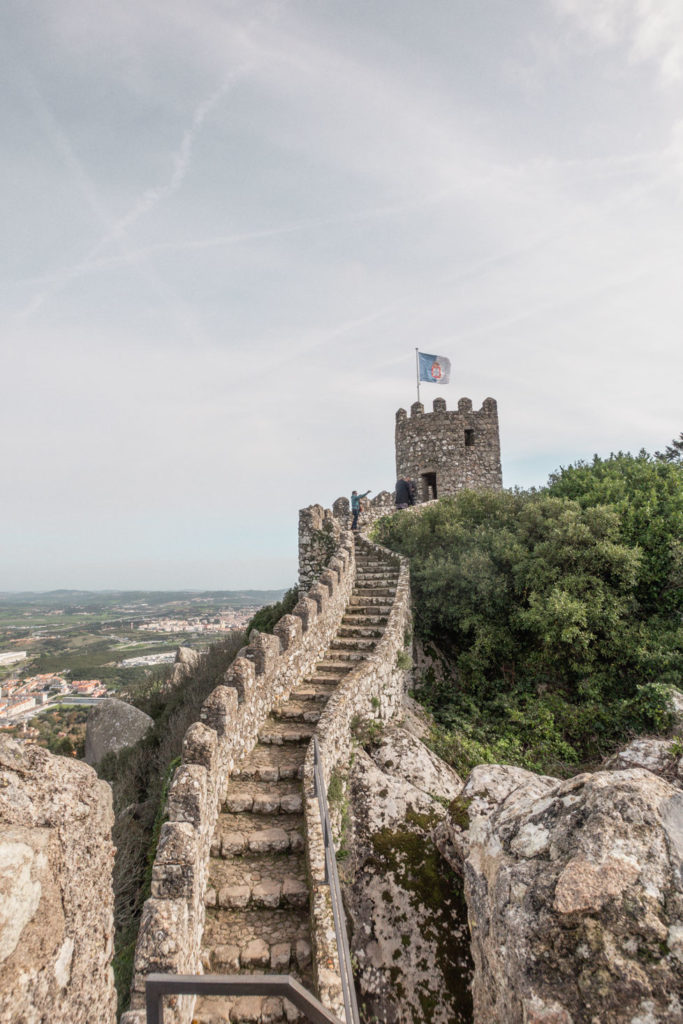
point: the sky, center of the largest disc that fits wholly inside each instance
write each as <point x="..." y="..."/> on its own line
<point x="229" y="223"/>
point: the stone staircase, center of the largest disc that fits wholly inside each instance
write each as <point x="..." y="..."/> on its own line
<point x="257" y="905"/>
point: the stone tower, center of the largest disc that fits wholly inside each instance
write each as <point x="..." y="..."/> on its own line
<point x="447" y="451"/>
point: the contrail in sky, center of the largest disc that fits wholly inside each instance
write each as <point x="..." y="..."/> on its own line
<point x="116" y="231"/>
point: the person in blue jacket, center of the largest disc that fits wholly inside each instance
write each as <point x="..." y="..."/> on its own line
<point x="355" y="507"/>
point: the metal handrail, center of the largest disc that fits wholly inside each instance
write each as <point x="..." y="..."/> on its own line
<point x="159" y="985"/>
<point x="332" y="879"/>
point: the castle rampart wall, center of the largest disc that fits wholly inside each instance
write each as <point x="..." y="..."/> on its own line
<point x="372" y="691"/>
<point x="461" y="448"/>
<point x="262" y="675"/>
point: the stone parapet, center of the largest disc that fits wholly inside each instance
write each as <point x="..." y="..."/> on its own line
<point x="319" y="536"/>
<point x="372" y="691"/>
<point x="261" y="677"/>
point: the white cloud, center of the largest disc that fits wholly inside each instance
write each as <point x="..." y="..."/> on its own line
<point x="652" y="30"/>
<point x="251" y="219"/>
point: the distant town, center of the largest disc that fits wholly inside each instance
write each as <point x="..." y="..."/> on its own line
<point x="71" y="649"/>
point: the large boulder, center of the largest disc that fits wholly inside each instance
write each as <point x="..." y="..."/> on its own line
<point x="56" y="897"/>
<point x="405" y="904"/>
<point x="186" y="661"/>
<point x="659" y="756"/>
<point x="113" y="725"/>
<point x="575" y="895"/>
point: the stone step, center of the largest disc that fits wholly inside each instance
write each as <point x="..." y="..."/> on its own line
<point x="269" y="763"/>
<point x="245" y="1010"/>
<point x="372" y="568"/>
<point x="338" y="665"/>
<point x="265" y="893"/>
<point x="244" y="833"/>
<point x="297" y="709"/>
<point x="328" y="678"/>
<point x="319" y="692"/>
<point x="373" y="591"/>
<point x="263" y="797"/>
<point x="367" y="576"/>
<point x="353" y="643"/>
<point x="371" y="632"/>
<point x="251" y="869"/>
<point x="351" y="654"/>
<point x="230" y="937"/>
<point x="359" y="618"/>
<point x="277" y="733"/>
<point x="369" y="601"/>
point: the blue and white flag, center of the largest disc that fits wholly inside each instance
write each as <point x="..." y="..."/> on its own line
<point x="435" y="369"/>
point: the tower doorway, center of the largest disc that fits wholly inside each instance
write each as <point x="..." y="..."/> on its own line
<point x="428" y="486"/>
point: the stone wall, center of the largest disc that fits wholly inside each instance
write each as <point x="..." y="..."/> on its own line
<point x="56" y="896"/>
<point x="262" y="675"/>
<point x="372" y="691"/>
<point x="461" y="448"/>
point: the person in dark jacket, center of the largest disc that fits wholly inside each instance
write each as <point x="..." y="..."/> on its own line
<point x="403" y="497"/>
<point x="355" y="507"/>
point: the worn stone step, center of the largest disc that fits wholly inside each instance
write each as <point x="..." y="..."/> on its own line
<point x="270" y="763"/>
<point x="372" y="591"/>
<point x="228" y="934"/>
<point x="277" y="733"/>
<point x="253" y="1010"/>
<point x="349" y="655"/>
<point x="256" y="797"/>
<point x="252" y="869"/>
<point x="247" y="1009"/>
<point x="319" y="692"/>
<point x="328" y="666"/>
<point x="360" y="618"/>
<point x="353" y="643"/>
<point x="368" y="601"/>
<point x="267" y="893"/>
<point x="328" y="678"/>
<point x="298" y="709"/>
<point x="244" y="833"/>
<point x="371" y="632"/>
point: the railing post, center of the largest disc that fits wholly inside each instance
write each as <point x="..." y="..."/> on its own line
<point x="332" y="879"/>
<point x="282" y="985"/>
<point x="154" y="1002"/>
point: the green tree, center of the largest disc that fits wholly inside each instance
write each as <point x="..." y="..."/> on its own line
<point x="647" y="495"/>
<point x="556" y="611"/>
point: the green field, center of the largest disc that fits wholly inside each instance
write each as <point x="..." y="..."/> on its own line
<point x="89" y="633"/>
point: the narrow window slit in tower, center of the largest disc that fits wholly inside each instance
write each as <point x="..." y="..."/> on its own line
<point x="469" y="438"/>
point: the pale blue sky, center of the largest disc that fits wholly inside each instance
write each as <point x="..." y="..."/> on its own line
<point x="228" y="225"/>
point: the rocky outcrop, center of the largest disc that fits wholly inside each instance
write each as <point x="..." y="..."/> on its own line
<point x="661" y="757"/>
<point x="56" y="898"/>
<point x="113" y="725"/>
<point x="186" y="661"/>
<point x="404" y="903"/>
<point x="575" y="895"/>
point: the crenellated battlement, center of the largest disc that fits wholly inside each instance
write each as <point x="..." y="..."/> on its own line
<point x="260" y="679"/>
<point x="448" y="450"/>
<point x="488" y="407"/>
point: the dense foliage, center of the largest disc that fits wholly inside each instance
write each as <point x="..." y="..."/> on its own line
<point x="557" y="612"/>
<point x="267" y="617"/>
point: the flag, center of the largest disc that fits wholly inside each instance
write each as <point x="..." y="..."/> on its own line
<point x="435" y="369"/>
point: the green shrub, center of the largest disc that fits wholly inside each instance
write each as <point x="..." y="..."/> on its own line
<point x="267" y="617"/>
<point x="558" y="612"/>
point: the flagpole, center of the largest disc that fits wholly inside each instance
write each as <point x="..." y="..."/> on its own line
<point x="417" y="372"/>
